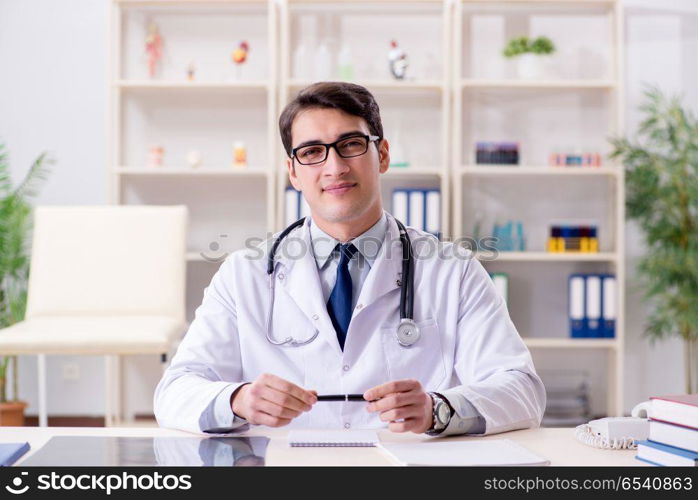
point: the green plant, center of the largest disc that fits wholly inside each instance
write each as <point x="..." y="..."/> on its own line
<point x="15" y="212"/>
<point x="522" y="45"/>
<point x="661" y="167"/>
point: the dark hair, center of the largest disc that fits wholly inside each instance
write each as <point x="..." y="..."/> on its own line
<point x="348" y="97"/>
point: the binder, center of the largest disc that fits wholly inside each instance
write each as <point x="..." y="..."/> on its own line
<point x="291" y="206"/>
<point x="501" y="283"/>
<point x="608" y="308"/>
<point x="593" y="306"/>
<point x="433" y="212"/>
<point x="576" y="297"/>
<point x="416" y="209"/>
<point x="400" y="205"/>
<point x="304" y="207"/>
<point x="11" y="452"/>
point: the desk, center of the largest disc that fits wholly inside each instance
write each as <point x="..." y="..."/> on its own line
<point x="557" y="445"/>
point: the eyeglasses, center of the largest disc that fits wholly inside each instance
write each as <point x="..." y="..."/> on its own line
<point x="349" y="147"/>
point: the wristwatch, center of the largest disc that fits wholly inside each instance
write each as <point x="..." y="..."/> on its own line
<point x="442" y="411"/>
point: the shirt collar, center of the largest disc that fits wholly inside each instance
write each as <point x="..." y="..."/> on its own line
<point x="368" y="243"/>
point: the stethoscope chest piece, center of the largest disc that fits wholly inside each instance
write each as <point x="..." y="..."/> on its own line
<point x="407" y="332"/>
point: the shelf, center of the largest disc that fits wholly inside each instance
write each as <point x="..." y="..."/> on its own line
<point x="127" y="3"/>
<point x="155" y="84"/>
<point x="351" y="2"/>
<point x="537" y="84"/>
<point x="537" y="5"/>
<point x="435" y="85"/>
<point x="552" y="257"/>
<point x="188" y="172"/>
<point x="507" y="170"/>
<point x="197" y="257"/>
<point x="413" y="172"/>
<point x="569" y="343"/>
<point x="533" y="2"/>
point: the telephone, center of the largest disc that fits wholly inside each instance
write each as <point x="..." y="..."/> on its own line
<point x="616" y="433"/>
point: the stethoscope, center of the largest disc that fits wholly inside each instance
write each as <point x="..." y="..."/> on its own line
<point x="407" y="331"/>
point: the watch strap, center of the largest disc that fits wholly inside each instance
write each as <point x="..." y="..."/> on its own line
<point x="432" y="431"/>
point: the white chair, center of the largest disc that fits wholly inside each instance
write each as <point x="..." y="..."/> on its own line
<point x="104" y="280"/>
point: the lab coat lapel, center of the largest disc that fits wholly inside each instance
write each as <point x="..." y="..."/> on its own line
<point x="386" y="271"/>
<point x="301" y="283"/>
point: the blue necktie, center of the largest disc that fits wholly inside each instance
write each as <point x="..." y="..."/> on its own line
<point x="339" y="304"/>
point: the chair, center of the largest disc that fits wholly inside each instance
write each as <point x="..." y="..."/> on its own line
<point x="104" y="280"/>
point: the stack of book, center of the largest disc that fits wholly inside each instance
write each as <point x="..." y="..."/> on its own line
<point x="567" y="394"/>
<point x="673" y="438"/>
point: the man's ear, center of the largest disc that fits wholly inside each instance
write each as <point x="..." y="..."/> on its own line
<point x="292" y="174"/>
<point x="383" y="156"/>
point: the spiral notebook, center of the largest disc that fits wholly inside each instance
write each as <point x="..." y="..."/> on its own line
<point x="304" y="438"/>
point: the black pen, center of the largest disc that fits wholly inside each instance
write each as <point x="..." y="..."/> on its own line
<point x="342" y="397"/>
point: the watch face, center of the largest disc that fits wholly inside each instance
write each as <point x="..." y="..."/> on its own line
<point x="444" y="413"/>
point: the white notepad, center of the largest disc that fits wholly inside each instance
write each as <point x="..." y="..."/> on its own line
<point x="441" y="452"/>
<point x="332" y="438"/>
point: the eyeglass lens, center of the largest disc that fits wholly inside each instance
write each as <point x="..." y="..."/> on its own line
<point x="347" y="148"/>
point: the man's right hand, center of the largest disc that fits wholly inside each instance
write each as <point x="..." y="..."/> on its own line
<point x="271" y="401"/>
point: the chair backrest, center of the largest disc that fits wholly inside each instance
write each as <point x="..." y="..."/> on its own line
<point x="100" y="260"/>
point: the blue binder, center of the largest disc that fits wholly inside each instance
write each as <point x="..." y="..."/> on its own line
<point x="609" y="306"/>
<point x="593" y="304"/>
<point x="576" y="305"/>
<point x="402" y="209"/>
<point x="11" y="452"/>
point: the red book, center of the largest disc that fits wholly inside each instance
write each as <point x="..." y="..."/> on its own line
<point x="677" y="410"/>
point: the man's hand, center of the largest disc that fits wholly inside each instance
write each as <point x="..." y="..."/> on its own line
<point x="403" y="400"/>
<point x="271" y="401"/>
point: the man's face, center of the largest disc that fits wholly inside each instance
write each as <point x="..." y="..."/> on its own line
<point x="339" y="189"/>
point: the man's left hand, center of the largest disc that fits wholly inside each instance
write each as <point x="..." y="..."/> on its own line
<point x="403" y="403"/>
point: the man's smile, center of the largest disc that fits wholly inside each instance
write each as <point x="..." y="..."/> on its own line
<point x="339" y="188"/>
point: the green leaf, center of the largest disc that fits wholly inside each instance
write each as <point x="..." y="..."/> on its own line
<point x="15" y="225"/>
<point x="661" y="181"/>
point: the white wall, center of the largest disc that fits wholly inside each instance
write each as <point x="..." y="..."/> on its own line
<point x="662" y="50"/>
<point x="53" y="97"/>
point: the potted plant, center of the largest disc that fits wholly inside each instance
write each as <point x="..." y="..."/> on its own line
<point x="661" y="167"/>
<point x="15" y="220"/>
<point x="528" y="54"/>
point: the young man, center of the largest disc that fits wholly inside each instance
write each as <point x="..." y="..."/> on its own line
<point x="261" y="351"/>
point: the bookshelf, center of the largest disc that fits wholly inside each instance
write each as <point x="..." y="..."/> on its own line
<point x="453" y="92"/>
<point x="208" y="113"/>
<point x="577" y="103"/>
<point x="424" y="96"/>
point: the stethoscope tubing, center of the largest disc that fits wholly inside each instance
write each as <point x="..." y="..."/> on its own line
<point x="406" y="284"/>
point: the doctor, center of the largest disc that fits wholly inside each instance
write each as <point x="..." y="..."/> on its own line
<point x="323" y="316"/>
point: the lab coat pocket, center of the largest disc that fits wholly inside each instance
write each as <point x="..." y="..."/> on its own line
<point x="423" y="360"/>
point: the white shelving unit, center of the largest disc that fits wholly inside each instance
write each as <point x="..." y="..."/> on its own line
<point x="362" y="23"/>
<point x="453" y="96"/>
<point x="478" y="89"/>
<point x="206" y="114"/>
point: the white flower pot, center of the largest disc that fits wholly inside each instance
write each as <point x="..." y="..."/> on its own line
<point x="530" y="66"/>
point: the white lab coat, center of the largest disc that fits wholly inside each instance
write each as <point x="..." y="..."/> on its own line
<point x="468" y="347"/>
